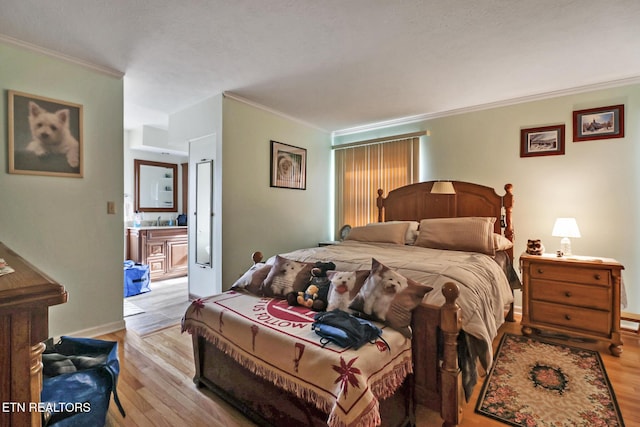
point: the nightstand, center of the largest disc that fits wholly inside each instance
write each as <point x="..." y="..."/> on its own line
<point x="575" y="295"/>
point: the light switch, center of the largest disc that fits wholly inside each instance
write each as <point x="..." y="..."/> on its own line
<point x="111" y="208"/>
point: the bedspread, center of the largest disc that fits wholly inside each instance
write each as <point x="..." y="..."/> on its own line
<point x="484" y="288"/>
<point x="275" y="341"/>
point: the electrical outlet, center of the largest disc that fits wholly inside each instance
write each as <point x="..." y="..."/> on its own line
<point x="111" y="208"/>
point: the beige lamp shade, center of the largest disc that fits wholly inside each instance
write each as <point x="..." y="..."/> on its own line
<point x="443" y="187"/>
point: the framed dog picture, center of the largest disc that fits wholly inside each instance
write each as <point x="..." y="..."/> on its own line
<point x="288" y="166"/>
<point x="45" y="136"/>
<point x="542" y="141"/>
<point x="598" y="123"/>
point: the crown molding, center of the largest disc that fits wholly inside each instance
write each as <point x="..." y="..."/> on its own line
<point x="52" y="53"/>
<point x="504" y="103"/>
<point x="239" y="98"/>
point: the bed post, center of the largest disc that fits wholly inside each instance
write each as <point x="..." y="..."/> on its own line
<point x="507" y="203"/>
<point x="256" y="257"/>
<point x="452" y="397"/>
<point x="380" y="204"/>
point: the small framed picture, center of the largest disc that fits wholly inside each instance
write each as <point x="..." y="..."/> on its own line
<point x="598" y="123"/>
<point x="542" y="141"/>
<point x="45" y="136"/>
<point x="288" y="166"/>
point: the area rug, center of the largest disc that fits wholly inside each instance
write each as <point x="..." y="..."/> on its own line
<point x="539" y="383"/>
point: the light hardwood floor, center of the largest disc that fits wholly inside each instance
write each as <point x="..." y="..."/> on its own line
<point x="163" y="306"/>
<point x="156" y="387"/>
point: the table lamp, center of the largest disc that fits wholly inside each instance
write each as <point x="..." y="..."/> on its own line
<point x="565" y="228"/>
<point x="443" y="187"/>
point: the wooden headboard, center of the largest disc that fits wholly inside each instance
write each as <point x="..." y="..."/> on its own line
<point x="415" y="202"/>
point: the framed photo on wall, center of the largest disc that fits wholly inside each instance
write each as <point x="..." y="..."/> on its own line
<point x="542" y="141"/>
<point x="288" y="166"/>
<point x="598" y="123"/>
<point x="45" y="136"/>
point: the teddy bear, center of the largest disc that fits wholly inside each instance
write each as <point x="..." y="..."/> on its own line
<point x="315" y="296"/>
<point x="308" y="297"/>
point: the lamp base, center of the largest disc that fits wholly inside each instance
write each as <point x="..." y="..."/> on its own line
<point x="565" y="246"/>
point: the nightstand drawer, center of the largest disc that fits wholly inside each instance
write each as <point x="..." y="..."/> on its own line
<point x="572" y="318"/>
<point x="565" y="273"/>
<point x="597" y="297"/>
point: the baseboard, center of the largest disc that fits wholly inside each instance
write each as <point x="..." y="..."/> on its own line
<point x="517" y="309"/>
<point x="98" y="330"/>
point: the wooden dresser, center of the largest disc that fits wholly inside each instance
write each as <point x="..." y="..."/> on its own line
<point x="579" y="296"/>
<point x="25" y="297"/>
<point x="164" y="249"/>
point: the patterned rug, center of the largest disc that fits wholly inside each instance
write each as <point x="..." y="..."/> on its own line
<point x="538" y="383"/>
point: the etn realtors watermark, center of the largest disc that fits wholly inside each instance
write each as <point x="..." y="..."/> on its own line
<point x="45" y="407"/>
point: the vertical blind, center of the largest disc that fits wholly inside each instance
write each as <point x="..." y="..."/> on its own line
<point x="362" y="169"/>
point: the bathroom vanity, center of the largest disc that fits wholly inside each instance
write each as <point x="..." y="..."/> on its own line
<point x="163" y="248"/>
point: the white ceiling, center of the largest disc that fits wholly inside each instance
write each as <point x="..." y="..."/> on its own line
<point x="337" y="64"/>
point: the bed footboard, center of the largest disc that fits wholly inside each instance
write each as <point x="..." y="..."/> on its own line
<point x="268" y="405"/>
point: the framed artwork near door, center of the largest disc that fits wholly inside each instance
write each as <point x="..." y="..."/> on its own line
<point x="288" y="166"/>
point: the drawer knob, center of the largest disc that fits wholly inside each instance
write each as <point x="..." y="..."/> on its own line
<point x="566" y="316"/>
<point x="597" y="276"/>
<point x="540" y="271"/>
<point x="567" y="294"/>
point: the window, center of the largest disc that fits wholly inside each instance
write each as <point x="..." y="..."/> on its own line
<point x="363" y="168"/>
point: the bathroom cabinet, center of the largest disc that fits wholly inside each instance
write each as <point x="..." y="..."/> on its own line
<point x="164" y="249"/>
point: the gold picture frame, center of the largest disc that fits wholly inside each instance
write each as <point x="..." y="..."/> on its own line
<point x="45" y="136"/>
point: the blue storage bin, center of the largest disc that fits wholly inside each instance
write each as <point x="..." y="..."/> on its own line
<point x="136" y="278"/>
<point x="79" y="377"/>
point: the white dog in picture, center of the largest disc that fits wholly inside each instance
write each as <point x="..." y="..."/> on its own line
<point x="342" y="283"/>
<point x="386" y="284"/>
<point x="51" y="134"/>
<point x="282" y="283"/>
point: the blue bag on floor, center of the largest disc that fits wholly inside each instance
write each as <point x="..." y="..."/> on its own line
<point x="79" y="376"/>
<point x="136" y="278"/>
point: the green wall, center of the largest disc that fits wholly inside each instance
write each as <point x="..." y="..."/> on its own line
<point x="61" y="224"/>
<point x="597" y="182"/>
<point x="257" y="217"/>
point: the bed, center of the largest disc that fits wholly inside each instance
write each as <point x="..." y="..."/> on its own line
<point x="282" y="384"/>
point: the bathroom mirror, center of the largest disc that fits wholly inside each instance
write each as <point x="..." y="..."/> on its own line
<point x="204" y="212"/>
<point x="156" y="185"/>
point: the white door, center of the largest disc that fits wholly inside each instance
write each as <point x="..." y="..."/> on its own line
<point x="203" y="268"/>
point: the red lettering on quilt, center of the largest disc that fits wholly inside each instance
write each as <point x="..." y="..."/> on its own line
<point x="278" y="313"/>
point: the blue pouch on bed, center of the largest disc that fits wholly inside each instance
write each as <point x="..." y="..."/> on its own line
<point x="345" y="330"/>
